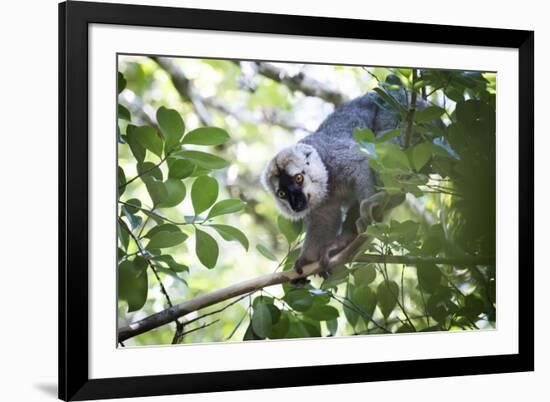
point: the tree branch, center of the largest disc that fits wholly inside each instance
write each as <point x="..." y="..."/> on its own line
<point x="336" y="262"/>
<point x="410" y="114"/>
<point x="185" y="87"/>
<point x="301" y="82"/>
<point x="277" y="118"/>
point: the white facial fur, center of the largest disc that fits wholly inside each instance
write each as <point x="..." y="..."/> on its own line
<point x="297" y="159"/>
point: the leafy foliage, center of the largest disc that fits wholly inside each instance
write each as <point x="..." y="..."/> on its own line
<point x="153" y="149"/>
<point x="179" y="199"/>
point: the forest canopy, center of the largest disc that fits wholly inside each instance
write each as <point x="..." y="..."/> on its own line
<point x="194" y="136"/>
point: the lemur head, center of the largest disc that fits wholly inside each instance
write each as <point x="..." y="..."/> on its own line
<point x="297" y="178"/>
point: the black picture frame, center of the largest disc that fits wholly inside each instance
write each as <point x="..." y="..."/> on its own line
<point x="74" y="19"/>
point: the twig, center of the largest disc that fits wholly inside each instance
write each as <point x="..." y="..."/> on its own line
<point x="301" y="82"/>
<point x="238" y="324"/>
<point x="150" y="211"/>
<point x="396" y="297"/>
<point x="185" y="87"/>
<point x="412" y="109"/>
<point x="360" y="311"/>
<point x="193" y="330"/>
<point x="145" y="171"/>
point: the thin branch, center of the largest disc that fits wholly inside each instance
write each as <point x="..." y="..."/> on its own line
<point x="238" y="325"/>
<point x="150" y="211"/>
<point x="466" y="261"/>
<point x="336" y="263"/>
<point x="185" y="87"/>
<point x="142" y="113"/>
<point x="219" y="310"/>
<point x="354" y="307"/>
<point x="412" y="109"/>
<point x="277" y="118"/>
<point x="396" y="297"/>
<point x="168" y="315"/>
<point x="301" y="82"/>
<point x="181" y="335"/>
<point x="150" y="264"/>
<point x="145" y="171"/>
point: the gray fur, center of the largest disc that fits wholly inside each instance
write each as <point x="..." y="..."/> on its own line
<point x="350" y="182"/>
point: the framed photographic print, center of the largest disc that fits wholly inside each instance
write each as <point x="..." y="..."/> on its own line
<point x="258" y="200"/>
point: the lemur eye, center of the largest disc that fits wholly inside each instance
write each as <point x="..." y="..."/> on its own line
<point x="298" y="179"/>
<point x="281" y="194"/>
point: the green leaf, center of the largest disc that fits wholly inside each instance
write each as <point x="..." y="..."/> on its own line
<point x="439" y="305"/>
<point x="148" y="138"/>
<point x="224" y="207"/>
<point x="275" y="313"/>
<point x="123" y="236"/>
<point x="404" y="232"/>
<point x="335" y="279"/>
<point x="175" y="193"/>
<point x="473" y="306"/>
<point x="229" y="233"/>
<point x="265" y="252"/>
<point x="171" y="125"/>
<point x="203" y="193"/>
<point x="389" y="135"/>
<point x="387" y="293"/>
<point x="249" y="334"/>
<point x="364" y="274"/>
<point x="132" y="284"/>
<point x="429" y="114"/>
<point x="298" y="329"/>
<point x="148" y="171"/>
<point x="134" y="205"/>
<point x="262" y="299"/>
<point x="202" y="159"/>
<point x="137" y="149"/>
<point x="299" y="299"/>
<point x="171" y="263"/>
<point x="206" y="136"/>
<point x="332" y="326"/>
<point x="391" y="101"/>
<point x="322" y="313"/>
<point x="165" y="227"/>
<point x="165" y="239"/>
<point x="121" y="180"/>
<point x="391" y="156"/>
<point x="363" y="135"/>
<point x="290" y="229"/>
<point x="261" y="321"/>
<point x="124" y="113"/>
<point x="421" y="154"/>
<point x="121" y="82"/>
<point x="365" y="298"/>
<point x="429" y="277"/>
<point x="349" y="309"/>
<point x="157" y="191"/>
<point x="180" y="168"/>
<point x="173" y="274"/>
<point x="280" y="329"/>
<point x="206" y="249"/>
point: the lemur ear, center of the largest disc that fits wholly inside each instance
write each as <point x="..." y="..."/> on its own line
<point x="304" y="149"/>
<point x="270" y="170"/>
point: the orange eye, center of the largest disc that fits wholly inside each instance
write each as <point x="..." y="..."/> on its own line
<point x="281" y="194"/>
<point x="298" y="179"/>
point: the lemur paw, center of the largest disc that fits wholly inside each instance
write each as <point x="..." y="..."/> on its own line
<point x="300" y="263"/>
<point x="300" y="282"/>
